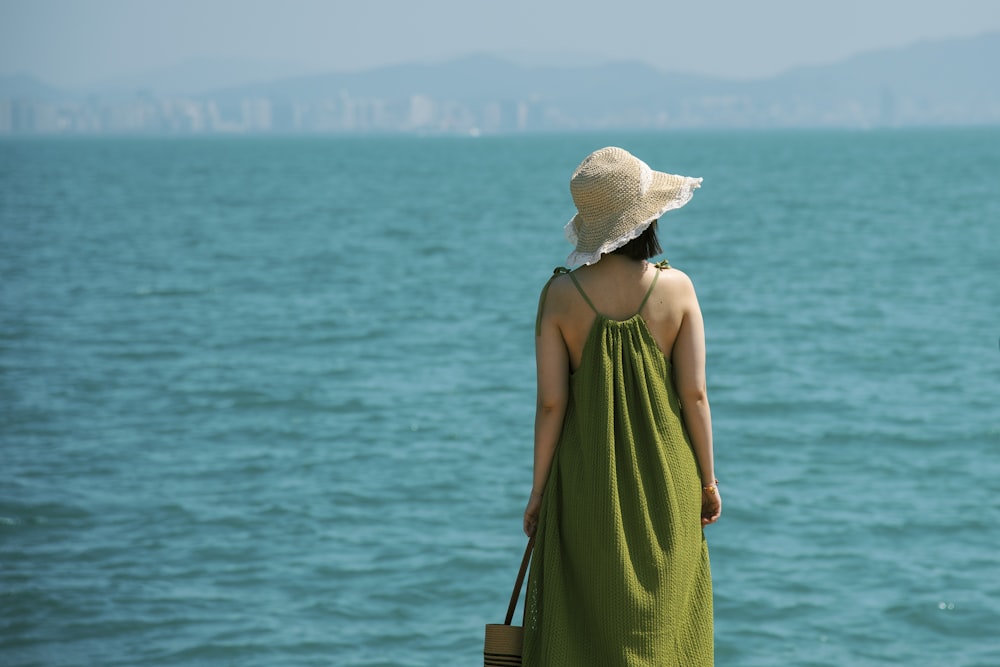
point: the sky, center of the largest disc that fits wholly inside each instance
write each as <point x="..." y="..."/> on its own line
<point x="81" y="42"/>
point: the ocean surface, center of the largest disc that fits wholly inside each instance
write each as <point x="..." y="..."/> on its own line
<point x="269" y="402"/>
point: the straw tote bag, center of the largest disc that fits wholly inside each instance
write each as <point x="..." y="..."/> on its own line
<point x="503" y="642"/>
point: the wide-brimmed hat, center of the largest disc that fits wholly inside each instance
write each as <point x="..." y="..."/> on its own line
<point x="617" y="197"/>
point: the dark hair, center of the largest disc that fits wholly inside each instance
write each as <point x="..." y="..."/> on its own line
<point x="643" y="246"/>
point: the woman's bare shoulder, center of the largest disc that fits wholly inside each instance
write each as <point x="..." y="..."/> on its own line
<point x="675" y="288"/>
<point x="557" y="292"/>
<point x="675" y="278"/>
<point x="559" y="282"/>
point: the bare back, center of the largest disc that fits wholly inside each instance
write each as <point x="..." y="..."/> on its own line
<point x="616" y="290"/>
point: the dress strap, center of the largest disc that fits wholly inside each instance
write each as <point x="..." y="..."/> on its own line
<point x="559" y="270"/>
<point x="582" y="293"/>
<point x="562" y="270"/>
<point x="659" y="265"/>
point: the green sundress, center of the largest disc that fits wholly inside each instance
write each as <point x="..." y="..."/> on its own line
<point x="620" y="573"/>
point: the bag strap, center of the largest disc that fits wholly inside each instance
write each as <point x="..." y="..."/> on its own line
<point x="520" y="580"/>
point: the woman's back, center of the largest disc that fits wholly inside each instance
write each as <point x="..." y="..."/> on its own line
<point x="616" y="288"/>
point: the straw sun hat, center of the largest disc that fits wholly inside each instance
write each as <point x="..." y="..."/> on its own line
<point x="617" y="197"/>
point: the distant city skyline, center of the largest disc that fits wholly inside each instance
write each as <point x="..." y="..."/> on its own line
<point x="947" y="83"/>
<point x="76" y="44"/>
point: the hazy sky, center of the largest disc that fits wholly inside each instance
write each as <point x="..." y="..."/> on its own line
<point x="73" y="42"/>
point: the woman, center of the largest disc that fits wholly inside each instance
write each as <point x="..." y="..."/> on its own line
<point x="624" y="477"/>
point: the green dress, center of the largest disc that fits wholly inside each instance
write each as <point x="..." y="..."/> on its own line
<point x="620" y="574"/>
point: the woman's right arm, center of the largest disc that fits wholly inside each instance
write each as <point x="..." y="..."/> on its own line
<point x="688" y="359"/>
<point x="552" y="364"/>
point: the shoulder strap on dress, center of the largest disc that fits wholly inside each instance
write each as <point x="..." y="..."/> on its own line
<point x="659" y="266"/>
<point x="558" y="271"/>
<point x="582" y="293"/>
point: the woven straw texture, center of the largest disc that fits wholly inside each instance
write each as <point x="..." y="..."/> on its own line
<point x="502" y="647"/>
<point x="617" y="197"/>
<point x="620" y="573"/>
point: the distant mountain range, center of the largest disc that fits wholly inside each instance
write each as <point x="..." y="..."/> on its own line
<point x="953" y="82"/>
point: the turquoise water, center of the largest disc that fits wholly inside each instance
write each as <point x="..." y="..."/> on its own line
<point x="269" y="401"/>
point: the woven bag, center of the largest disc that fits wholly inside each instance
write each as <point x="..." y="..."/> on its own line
<point x="503" y="641"/>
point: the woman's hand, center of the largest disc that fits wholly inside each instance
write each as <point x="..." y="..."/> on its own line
<point x="711" y="505"/>
<point x="531" y="514"/>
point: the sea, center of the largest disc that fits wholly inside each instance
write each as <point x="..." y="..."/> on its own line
<point x="268" y="401"/>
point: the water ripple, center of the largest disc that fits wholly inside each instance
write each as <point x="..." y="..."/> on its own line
<point x="247" y="418"/>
